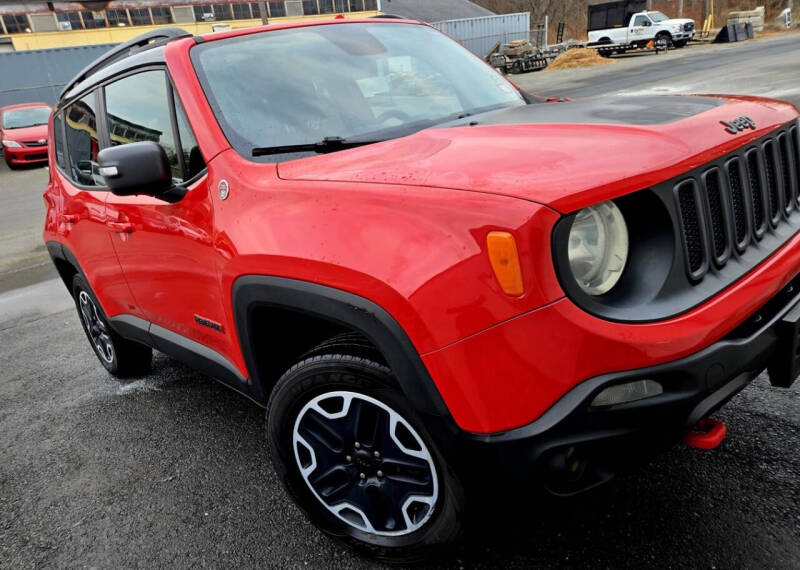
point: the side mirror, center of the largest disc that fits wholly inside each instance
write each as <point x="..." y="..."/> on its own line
<point x="138" y="168"/>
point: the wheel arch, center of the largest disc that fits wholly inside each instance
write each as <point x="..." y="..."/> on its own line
<point x="262" y="303"/>
<point x="65" y="262"/>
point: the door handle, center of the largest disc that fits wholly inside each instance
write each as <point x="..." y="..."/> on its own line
<point x="70" y="218"/>
<point x="121" y="227"/>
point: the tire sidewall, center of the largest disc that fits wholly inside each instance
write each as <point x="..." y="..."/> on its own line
<point x="323" y="374"/>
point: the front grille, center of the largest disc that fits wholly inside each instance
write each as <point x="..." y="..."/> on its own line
<point x="688" y="27"/>
<point x="730" y="206"/>
<point x="34" y="143"/>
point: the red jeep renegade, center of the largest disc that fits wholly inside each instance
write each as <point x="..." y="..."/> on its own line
<point x="427" y="277"/>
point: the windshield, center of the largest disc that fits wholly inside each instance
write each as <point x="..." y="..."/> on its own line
<point x="21" y="118"/>
<point x="349" y="82"/>
<point x="657" y="16"/>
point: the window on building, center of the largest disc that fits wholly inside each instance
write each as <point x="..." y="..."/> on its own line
<point x="256" y="9"/>
<point x="325" y="6"/>
<point x="16" y="23"/>
<point x="140" y="17"/>
<point x="222" y="12"/>
<point x="276" y="9"/>
<point x="370" y="4"/>
<point x="92" y="20"/>
<point x="82" y="141"/>
<point x="203" y="14"/>
<point x="117" y="18"/>
<point x="310" y="7"/>
<point x="58" y="140"/>
<point x="356" y="5"/>
<point x="342" y="6"/>
<point x="138" y="110"/>
<point x="241" y="11"/>
<point x="162" y="15"/>
<point x="73" y="18"/>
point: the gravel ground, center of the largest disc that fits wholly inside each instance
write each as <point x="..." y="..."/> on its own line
<point x="170" y="470"/>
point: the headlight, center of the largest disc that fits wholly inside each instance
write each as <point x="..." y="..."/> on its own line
<point x="676" y="28"/>
<point x="12" y="144"/>
<point x="598" y="247"/>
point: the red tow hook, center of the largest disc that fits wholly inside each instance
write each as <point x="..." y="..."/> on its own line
<point x="707" y="434"/>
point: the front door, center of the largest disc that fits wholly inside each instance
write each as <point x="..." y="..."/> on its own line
<point x="166" y="250"/>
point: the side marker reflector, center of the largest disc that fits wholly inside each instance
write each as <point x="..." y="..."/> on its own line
<point x="505" y="262"/>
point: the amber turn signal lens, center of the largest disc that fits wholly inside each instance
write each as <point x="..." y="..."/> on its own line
<point x="505" y="262"/>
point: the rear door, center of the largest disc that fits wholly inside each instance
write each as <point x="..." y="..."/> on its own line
<point x="166" y="250"/>
<point x="81" y="214"/>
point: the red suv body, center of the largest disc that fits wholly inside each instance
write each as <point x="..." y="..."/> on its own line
<point x="550" y="288"/>
<point x="23" y="132"/>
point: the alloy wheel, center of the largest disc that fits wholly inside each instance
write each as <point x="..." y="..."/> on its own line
<point x="365" y="463"/>
<point x="96" y="328"/>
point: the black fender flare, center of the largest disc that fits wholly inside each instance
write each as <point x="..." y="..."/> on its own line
<point x="251" y="292"/>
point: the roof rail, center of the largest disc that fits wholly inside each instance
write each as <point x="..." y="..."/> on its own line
<point x="160" y="36"/>
<point x="390" y="17"/>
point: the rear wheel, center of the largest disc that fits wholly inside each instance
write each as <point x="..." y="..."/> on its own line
<point x="121" y="357"/>
<point x="351" y="451"/>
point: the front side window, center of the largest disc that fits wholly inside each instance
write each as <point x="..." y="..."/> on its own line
<point x="138" y="110"/>
<point x="641" y="21"/>
<point x="82" y="141"/>
<point x="22" y="118"/>
<point x="192" y="158"/>
<point x="348" y="81"/>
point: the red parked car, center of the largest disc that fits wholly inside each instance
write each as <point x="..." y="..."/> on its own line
<point x="23" y="132"/>
<point x="429" y="279"/>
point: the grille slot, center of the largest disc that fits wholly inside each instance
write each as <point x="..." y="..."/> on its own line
<point x="788" y="170"/>
<point x="737" y="200"/>
<point x="717" y="215"/>
<point x="740" y="219"/>
<point x="755" y="176"/>
<point x="689" y="207"/>
<point x="794" y="133"/>
<point x="773" y="179"/>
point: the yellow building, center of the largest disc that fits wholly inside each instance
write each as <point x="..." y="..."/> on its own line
<point x="40" y="25"/>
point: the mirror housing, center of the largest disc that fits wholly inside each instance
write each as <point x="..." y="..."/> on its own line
<point x="138" y="168"/>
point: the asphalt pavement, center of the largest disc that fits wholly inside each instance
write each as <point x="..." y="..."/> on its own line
<point x="170" y="471"/>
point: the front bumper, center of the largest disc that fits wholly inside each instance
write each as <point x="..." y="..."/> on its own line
<point x="26" y="154"/>
<point x="575" y="446"/>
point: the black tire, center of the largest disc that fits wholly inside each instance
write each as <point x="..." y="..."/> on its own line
<point x="121" y="357"/>
<point x="680" y="43"/>
<point x="316" y="377"/>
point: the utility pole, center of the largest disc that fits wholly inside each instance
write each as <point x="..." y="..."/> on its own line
<point x="680" y="9"/>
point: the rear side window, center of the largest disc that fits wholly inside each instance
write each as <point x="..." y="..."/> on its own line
<point x="58" y="141"/>
<point x="82" y="141"/>
<point x="138" y="110"/>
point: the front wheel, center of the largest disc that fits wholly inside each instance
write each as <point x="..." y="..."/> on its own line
<point x="679" y="43"/>
<point x="353" y="454"/>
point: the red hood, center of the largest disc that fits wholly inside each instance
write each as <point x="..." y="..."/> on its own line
<point x="26" y="134"/>
<point x="564" y="155"/>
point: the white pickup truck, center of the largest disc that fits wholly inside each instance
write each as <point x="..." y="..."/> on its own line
<point x="643" y="27"/>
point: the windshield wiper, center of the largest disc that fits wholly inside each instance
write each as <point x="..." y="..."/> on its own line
<point x="328" y="144"/>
